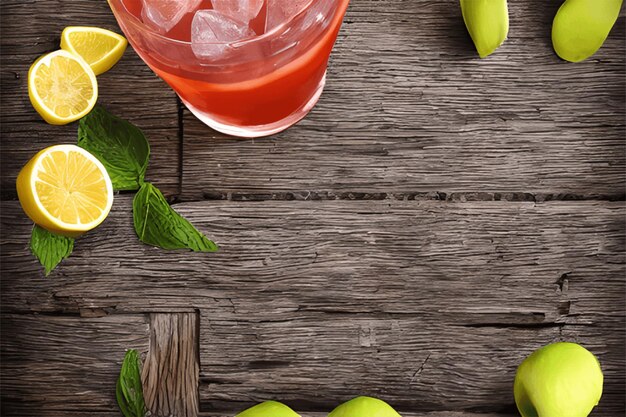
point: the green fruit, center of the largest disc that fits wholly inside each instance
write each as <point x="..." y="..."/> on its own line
<point x="268" y="409"/>
<point x="487" y="22"/>
<point x="364" y="407"/>
<point x="581" y="26"/>
<point x="558" y="380"/>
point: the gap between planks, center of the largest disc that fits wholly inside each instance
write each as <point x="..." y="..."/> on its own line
<point x="320" y="195"/>
<point x="457" y="197"/>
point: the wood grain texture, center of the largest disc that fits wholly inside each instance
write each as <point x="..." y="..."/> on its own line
<point x="416" y="363"/>
<point x="410" y="108"/>
<point x="319" y="301"/>
<point x="398" y="242"/>
<point x="377" y="249"/>
<point x="170" y="372"/>
<point x="130" y="89"/>
<point x="59" y="365"/>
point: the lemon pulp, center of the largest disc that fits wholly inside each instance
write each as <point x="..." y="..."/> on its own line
<point x="65" y="189"/>
<point x="62" y="87"/>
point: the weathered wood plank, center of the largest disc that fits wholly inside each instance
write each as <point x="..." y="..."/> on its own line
<point x="414" y="362"/>
<point x="130" y="89"/>
<point x="409" y="107"/>
<point x="462" y="255"/>
<point x="55" y="365"/>
<point x="330" y="299"/>
<point x="29" y="347"/>
<point x="170" y="372"/>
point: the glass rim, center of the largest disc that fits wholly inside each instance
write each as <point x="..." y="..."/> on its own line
<point x="143" y="26"/>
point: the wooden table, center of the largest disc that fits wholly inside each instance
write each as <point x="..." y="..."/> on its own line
<point x="435" y="219"/>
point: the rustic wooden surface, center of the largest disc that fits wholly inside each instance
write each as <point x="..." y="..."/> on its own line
<point x="434" y="220"/>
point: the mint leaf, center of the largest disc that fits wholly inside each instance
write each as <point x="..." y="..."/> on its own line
<point x="119" y="145"/>
<point x="50" y="248"/>
<point x="157" y="224"/>
<point x="128" y="391"/>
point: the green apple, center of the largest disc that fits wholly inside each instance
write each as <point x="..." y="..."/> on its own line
<point x="364" y="407"/>
<point x="268" y="409"/>
<point x="487" y="22"/>
<point x="558" y="380"/>
<point x="580" y="27"/>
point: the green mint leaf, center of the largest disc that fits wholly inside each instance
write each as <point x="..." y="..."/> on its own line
<point x="119" y="145"/>
<point x="157" y="224"/>
<point x="128" y="391"/>
<point x="50" y="248"/>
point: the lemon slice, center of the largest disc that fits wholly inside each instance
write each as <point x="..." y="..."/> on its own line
<point x="100" y="48"/>
<point x="62" y="87"/>
<point x="65" y="190"/>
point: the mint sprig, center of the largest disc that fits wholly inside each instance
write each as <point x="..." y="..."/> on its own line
<point x="124" y="151"/>
<point x="157" y="224"/>
<point x="129" y="391"/>
<point x="118" y="144"/>
<point x="49" y="248"/>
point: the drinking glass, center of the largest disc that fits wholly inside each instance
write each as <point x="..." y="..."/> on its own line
<point x="251" y="88"/>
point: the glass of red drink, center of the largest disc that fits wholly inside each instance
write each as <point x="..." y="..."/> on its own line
<point x="264" y="81"/>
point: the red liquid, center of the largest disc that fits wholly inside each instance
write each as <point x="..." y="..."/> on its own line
<point x="257" y="93"/>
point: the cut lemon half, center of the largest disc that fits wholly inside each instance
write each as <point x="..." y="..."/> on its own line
<point x="62" y="87"/>
<point x="65" y="190"/>
<point x="100" y="48"/>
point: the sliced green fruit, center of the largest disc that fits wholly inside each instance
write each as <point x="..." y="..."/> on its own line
<point x="580" y="27"/>
<point x="268" y="409"/>
<point x="561" y="379"/>
<point x="487" y="22"/>
<point x="364" y="407"/>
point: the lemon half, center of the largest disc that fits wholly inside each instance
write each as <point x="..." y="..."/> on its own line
<point x="65" y="189"/>
<point x="100" y="48"/>
<point x="62" y="87"/>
